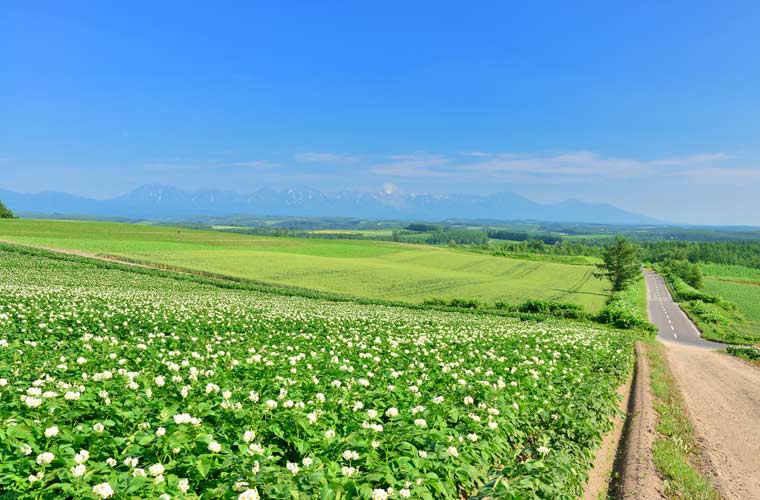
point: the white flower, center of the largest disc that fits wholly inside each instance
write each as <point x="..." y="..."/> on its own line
<point x="348" y="471"/>
<point x="138" y="472"/>
<point x="33" y="402"/>
<point x="423" y="454"/>
<point x="103" y="490"/>
<point x="249" y="495"/>
<point x="45" y="458"/>
<point x="292" y="467"/>
<point x="420" y="422"/>
<point x="131" y="462"/>
<point x="472" y="437"/>
<point x="249" y="436"/>
<point x="156" y="470"/>
<point x="183" y="485"/>
<point x="26" y="449"/>
<point x="159" y="381"/>
<point x="214" y="447"/>
<point x="405" y="493"/>
<point x="329" y="434"/>
<point x="468" y="400"/>
<point x="270" y="403"/>
<point x="543" y="450"/>
<point x="452" y="451"/>
<point x="111" y="461"/>
<point x="78" y="470"/>
<point x="307" y="461"/>
<point x="98" y="427"/>
<point x="51" y="431"/>
<point x="165" y="496"/>
<point x="350" y="455"/>
<point x="71" y="395"/>
<point x="312" y="417"/>
<point x="82" y="456"/>
<point x="391" y="412"/>
<point x="160" y="432"/>
<point x="379" y="494"/>
<point x="372" y="413"/>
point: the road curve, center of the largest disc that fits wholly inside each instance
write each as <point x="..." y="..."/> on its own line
<point x="672" y="323"/>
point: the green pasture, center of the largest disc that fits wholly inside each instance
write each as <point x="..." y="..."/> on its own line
<point x="731" y="273"/>
<point x="370" y="269"/>
<point x="746" y="296"/>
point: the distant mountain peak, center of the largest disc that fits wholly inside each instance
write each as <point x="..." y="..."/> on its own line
<point x="162" y="202"/>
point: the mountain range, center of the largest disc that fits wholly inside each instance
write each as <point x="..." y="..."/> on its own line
<point x="157" y="202"/>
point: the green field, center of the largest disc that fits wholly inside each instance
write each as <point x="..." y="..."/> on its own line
<point x="731" y="273"/>
<point x="369" y="269"/>
<point x="746" y="296"/>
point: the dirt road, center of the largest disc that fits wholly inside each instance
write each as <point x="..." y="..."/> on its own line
<point x="722" y="398"/>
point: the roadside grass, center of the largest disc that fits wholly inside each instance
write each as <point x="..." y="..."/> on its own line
<point x="376" y="270"/>
<point x="675" y="451"/>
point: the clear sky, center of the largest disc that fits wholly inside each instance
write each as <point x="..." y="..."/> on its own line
<point x="651" y="106"/>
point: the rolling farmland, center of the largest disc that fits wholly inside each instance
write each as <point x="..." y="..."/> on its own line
<point x="138" y="385"/>
<point x="368" y="269"/>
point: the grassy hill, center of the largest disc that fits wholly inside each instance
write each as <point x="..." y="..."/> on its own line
<point x="369" y="269"/>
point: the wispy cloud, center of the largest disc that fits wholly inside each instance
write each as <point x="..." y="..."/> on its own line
<point x="574" y="165"/>
<point x="316" y="157"/>
<point x="211" y="165"/>
<point x="726" y="176"/>
<point x="413" y="165"/>
<point x="700" y="159"/>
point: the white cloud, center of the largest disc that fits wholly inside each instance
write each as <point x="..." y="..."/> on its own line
<point x="699" y="159"/>
<point x="212" y="165"/>
<point x="726" y="176"/>
<point x="253" y="164"/>
<point x="315" y="157"/>
<point x="412" y="165"/>
<point x="568" y="166"/>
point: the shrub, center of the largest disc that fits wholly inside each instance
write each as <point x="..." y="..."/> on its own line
<point x="748" y="352"/>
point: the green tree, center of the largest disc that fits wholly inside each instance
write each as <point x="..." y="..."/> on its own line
<point x="5" y="212"/>
<point x="620" y="264"/>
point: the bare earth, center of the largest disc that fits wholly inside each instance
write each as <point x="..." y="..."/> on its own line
<point x="722" y="397"/>
<point x="639" y="478"/>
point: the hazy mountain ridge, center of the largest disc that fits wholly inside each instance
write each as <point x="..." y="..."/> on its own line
<point x="169" y="203"/>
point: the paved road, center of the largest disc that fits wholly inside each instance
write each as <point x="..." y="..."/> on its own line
<point x="673" y="324"/>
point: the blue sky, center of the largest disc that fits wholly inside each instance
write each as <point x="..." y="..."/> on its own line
<point x="651" y="106"/>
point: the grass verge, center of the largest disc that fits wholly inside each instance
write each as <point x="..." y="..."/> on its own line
<point x="675" y="451"/>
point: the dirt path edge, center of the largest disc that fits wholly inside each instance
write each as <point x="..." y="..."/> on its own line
<point x="623" y="466"/>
